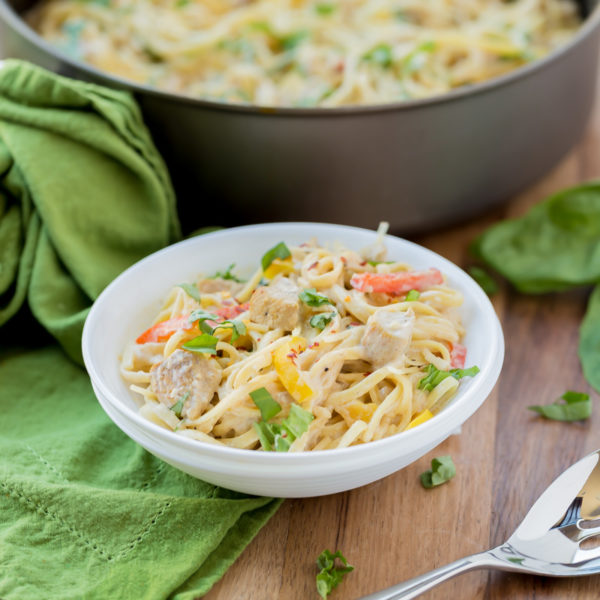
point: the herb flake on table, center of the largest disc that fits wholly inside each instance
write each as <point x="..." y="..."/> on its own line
<point x="330" y="576"/>
<point x="576" y="406"/>
<point x="442" y="470"/>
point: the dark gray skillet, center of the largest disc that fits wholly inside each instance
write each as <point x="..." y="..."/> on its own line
<point x="418" y="164"/>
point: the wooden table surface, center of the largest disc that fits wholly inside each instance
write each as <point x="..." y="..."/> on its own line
<point x="505" y="456"/>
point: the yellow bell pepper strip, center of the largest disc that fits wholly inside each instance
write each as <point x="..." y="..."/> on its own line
<point x="289" y="375"/>
<point x="362" y="411"/>
<point x="279" y="266"/>
<point x="420" y="419"/>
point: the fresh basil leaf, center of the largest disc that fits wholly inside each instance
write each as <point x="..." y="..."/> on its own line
<point x="330" y="576"/>
<point x="576" y="407"/>
<point x="181" y="3"/>
<point x="265" y="403"/>
<point x="321" y="320"/>
<point x="484" y="279"/>
<point x="238" y="328"/>
<point x="381" y="55"/>
<point x="227" y="275"/>
<point x="298" y="420"/>
<point x="282" y="439"/>
<point x="178" y="406"/>
<point x="554" y="247"/>
<point x="324" y="8"/>
<point x="191" y="290"/>
<point x="205" y="343"/>
<point x="442" y="470"/>
<point x="311" y="298"/>
<point x="202" y="315"/>
<point x="279" y="251"/>
<point x="414" y="60"/>
<point x="412" y="296"/>
<point x="589" y="340"/>
<point x="435" y="376"/>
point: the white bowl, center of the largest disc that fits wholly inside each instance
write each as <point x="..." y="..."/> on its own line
<point x="132" y="300"/>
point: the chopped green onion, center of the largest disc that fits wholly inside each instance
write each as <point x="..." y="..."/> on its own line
<point x="178" y="406"/>
<point x="265" y="403"/>
<point x="321" y="320"/>
<point x="412" y="296"/>
<point x="577" y="406"/>
<point x="280" y="251"/>
<point x="484" y="279"/>
<point x="435" y="376"/>
<point x="442" y="470"/>
<point x="191" y="290"/>
<point x="205" y="343"/>
<point x="329" y="576"/>
<point x="311" y="298"/>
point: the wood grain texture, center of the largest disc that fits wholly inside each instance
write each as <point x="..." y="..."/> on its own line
<point x="393" y="529"/>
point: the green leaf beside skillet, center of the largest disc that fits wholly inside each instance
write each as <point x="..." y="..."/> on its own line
<point x="442" y="470"/>
<point x="589" y="340"/>
<point x="576" y="407"/>
<point x="554" y="247"/>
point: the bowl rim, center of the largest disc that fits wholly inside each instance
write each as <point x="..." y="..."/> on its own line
<point x="10" y="16"/>
<point x="476" y="393"/>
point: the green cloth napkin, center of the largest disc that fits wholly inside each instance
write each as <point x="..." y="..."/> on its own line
<point x="83" y="195"/>
<point x="85" y="512"/>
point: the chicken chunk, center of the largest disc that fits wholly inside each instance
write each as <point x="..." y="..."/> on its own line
<point x="276" y="305"/>
<point x="186" y="373"/>
<point x="387" y="336"/>
<point x="213" y="286"/>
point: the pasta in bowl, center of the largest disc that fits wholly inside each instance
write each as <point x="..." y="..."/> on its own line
<point x="355" y="370"/>
<point x="322" y="348"/>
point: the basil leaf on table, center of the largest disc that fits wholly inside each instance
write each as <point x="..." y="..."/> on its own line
<point x="329" y="575"/>
<point x="442" y="470"/>
<point x="554" y="247"/>
<point x="576" y="407"/>
<point x="589" y="340"/>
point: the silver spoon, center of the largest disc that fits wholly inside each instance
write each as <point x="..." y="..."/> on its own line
<point x="547" y="542"/>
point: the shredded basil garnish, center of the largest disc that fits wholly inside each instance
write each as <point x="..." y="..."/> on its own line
<point x="435" y="376"/>
<point x="205" y="343"/>
<point x="442" y="470"/>
<point x="311" y="298"/>
<point x="321" y="320"/>
<point x="227" y="274"/>
<point x="178" y="406"/>
<point x="280" y="251"/>
<point x="266" y="404"/>
<point x="191" y="290"/>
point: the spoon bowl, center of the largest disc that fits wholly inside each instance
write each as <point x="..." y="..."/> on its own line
<point x="547" y="542"/>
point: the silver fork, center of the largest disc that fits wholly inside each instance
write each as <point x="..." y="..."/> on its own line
<point x="547" y="542"/>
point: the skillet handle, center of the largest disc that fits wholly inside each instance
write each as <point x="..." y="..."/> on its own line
<point x="418" y="585"/>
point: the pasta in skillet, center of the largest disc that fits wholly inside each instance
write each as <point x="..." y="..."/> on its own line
<point x="306" y="52"/>
<point x="321" y="348"/>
